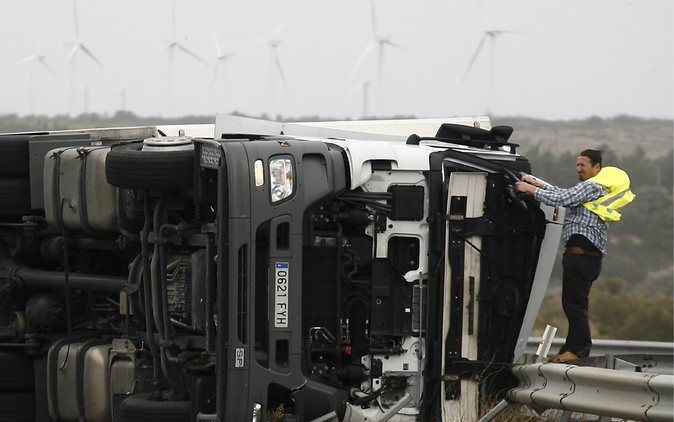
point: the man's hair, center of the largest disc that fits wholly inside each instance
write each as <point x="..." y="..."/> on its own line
<point x="593" y="154"/>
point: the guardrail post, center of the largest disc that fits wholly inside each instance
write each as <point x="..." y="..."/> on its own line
<point x="544" y="347"/>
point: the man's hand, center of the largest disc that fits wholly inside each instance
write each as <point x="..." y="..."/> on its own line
<point x="532" y="181"/>
<point x="525" y="188"/>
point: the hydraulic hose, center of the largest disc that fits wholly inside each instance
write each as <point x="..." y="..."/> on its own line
<point x="55" y="280"/>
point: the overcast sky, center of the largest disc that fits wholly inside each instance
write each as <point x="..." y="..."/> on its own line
<point x="568" y="58"/>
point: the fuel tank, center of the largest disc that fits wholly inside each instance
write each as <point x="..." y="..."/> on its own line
<point x="75" y="188"/>
<point x="78" y="381"/>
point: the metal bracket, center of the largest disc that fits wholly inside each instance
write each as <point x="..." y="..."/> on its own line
<point x="466" y="369"/>
<point x="467" y="227"/>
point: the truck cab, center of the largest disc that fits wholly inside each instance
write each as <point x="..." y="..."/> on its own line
<point x="294" y="272"/>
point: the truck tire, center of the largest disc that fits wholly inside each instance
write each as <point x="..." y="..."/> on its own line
<point x="128" y="166"/>
<point x="17" y="407"/>
<point x="148" y="408"/>
<point x="16" y="373"/>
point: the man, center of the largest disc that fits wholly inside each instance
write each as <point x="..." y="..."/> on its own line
<point x="589" y="203"/>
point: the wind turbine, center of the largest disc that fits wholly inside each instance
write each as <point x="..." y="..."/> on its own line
<point x="172" y="45"/>
<point x="220" y="58"/>
<point x="276" y="70"/>
<point x="40" y="64"/>
<point x="220" y="61"/>
<point x="489" y="35"/>
<point x="78" y="46"/>
<point x="380" y="41"/>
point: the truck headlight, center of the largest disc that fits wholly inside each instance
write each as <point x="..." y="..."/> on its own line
<point x="281" y="178"/>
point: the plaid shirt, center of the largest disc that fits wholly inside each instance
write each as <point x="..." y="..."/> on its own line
<point x="579" y="220"/>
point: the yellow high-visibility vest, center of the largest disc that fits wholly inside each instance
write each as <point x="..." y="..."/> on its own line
<point x="617" y="182"/>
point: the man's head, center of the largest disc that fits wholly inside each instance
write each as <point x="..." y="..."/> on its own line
<point x="588" y="164"/>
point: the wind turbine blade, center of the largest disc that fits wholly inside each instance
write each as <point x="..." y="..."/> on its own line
<point x="49" y="69"/>
<point x="73" y="50"/>
<point x="173" y="19"/>
<point x="166" y="46"/>
<point x="486" y="22"/>
<point x="504" y="31"/>
<point x="352" y="91"/>
<point x="280" y="69"/>
<point x="472" y="60"/>
<point x="392" y="44"/>
<point x="374" y="17"/>
<point x="193" y="55"/>
<point x="218" y="51"/>
<point x="75" y="21"/>
<point x="90" y="54"/>
<point x="363" y="56"/>
<point x="39" y="44"/>
<point x="360" y="87"/>
<point x="279" y="29"/>
<point x="24" y="60"/>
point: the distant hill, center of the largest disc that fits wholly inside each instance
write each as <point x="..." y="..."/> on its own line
<point x="622" y="133"/>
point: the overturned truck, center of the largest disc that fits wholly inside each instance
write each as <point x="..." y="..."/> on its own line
<point x="289" y="272"/>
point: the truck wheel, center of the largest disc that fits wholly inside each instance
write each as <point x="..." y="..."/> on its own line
<point x="16" y="373"/>
<point x="17" y="407"/>
<point x="129" y="166"/>
<point x="147" y="407"/>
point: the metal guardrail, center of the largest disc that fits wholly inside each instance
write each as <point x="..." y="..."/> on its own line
<point x="597" y="391"/>
<point x="613" y="347"/>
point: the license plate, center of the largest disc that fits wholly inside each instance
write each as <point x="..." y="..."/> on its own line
<point x="239" y="357"/>
<point x="281" y="276"/>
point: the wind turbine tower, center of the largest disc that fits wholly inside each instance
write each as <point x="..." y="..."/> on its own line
<point x="78" y="46"/>
<point x="489" y="35"/>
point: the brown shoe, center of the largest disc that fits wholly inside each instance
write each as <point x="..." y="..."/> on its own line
<point x="565" y="357"/>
